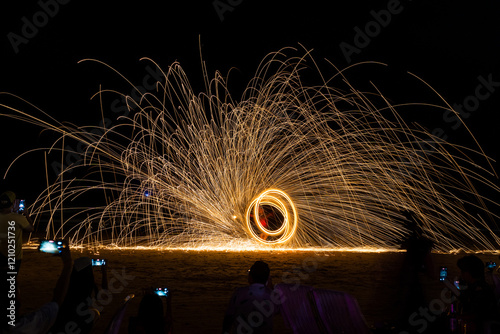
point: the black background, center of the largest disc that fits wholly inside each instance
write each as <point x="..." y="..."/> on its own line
<point x="449" y="44"/>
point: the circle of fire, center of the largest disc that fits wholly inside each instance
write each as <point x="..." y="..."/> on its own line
<point x="280" y="201"/>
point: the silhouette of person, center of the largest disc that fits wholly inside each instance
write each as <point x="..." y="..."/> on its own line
<point x="263" y="222"/>
<point x="250" y="309"/>
<point x="40" y="320"/>
<point x="477" y="301"/>
<point x="12" y="225"/>
<point x="77" y="310"/>
<point x="150" y="316"/>
<point x="15" y="223"/>
<point x="418" y="261"/>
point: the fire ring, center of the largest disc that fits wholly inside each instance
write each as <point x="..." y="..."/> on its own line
<point x="271" y="217"/>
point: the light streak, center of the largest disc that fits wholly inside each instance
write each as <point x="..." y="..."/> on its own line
<point x="282" y="202"/>
<point x="340" y="167"/>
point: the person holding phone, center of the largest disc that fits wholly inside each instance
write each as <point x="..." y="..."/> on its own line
<point x="22" y="222"/>
<point x="77" y="309"/>
<point x="42" y="319"/>
<point x="152" y="316"/>
<point x="477" y="301"/>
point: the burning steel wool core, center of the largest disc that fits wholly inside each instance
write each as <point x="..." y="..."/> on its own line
<point x="288" y="164"/>
<point x="257" y="217"/>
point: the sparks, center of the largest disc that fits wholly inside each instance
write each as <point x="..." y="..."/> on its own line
<point x="336" y="169"/>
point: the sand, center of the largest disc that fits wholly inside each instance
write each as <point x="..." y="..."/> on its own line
<point x="202" y="282"/>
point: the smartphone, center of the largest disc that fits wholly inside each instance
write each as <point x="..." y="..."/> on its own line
<point x="98" y="262"/>
<point x="20" y="207"/>
<point x="443" y="273"/>
<point x="162" y="292"/>
<point x="491" y="265"/>
<point x="51" y="246"/>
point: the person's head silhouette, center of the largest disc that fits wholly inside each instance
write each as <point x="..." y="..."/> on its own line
<point x="259" y="273"/>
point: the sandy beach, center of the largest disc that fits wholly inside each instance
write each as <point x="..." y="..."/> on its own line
<point x="202" y="282"/>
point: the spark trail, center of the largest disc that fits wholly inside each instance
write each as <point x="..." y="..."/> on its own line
<point x="185" y="169"/>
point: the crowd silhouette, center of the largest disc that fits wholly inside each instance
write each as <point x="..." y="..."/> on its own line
<point x="468" y="304"/>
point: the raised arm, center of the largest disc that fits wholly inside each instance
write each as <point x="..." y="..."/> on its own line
<point x="63" y="282"/>
<point x="28" y="227"/>
<point x="104" y="271"/>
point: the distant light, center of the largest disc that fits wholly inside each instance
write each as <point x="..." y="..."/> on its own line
<point x="234" y="217"/>
<point x="147" y="193"/>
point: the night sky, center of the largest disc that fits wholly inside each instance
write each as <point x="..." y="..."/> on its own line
<point x="453" y="46"/>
